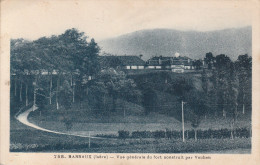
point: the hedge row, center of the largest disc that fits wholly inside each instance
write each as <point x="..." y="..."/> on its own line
<point x="189" y="134"/>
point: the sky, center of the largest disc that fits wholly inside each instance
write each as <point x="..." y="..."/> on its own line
<point x="105" y="19"/>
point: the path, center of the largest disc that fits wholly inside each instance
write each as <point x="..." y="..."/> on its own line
<point x="23" y="118"/>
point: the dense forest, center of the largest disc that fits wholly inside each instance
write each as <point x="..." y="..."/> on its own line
<point x="64" y="71"/>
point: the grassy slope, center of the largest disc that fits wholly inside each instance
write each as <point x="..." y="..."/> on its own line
<point x="168" y="110"/>
<point x="113" y="128"/>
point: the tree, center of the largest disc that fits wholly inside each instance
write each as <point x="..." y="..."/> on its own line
<point x="233" y="84"/>
<point x="40" y="99"/>
<point x="98" y="96"/>
<point x="243" y="66"/>
<point x="223" y="64"/>
<point x="116" y="85"/>
<point x="196" y="108"/>
<point x="40" y="82"/>
<point x="65" y="99"/>
<point x="24" y="62"/>
<point x="197" y="64"/>
<point x="65" y="96"/>
<point x="204" y="79"/>
<point x="91" y="63"/>
<point x="195" y="123"/>
<point x="209" y="60"/>
<point x="180" y="86"/>
<point x="65" y="54"/>
<point x="82" y="54"/>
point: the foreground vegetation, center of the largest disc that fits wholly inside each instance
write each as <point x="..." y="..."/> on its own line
<point x="87" y="121"/>
<point x="25" y="139"/>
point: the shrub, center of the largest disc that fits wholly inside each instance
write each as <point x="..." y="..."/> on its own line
<point x="201" y="134"/>
<point x="159" y="134"/>
<point x="142" y="134"/>
<point x="106" y="135"/>
<point x="123" y="134"/>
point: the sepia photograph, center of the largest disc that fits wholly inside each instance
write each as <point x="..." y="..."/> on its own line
<point x="129" y="77"/>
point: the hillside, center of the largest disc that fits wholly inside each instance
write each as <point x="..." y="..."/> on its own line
<point x="194" y="44"/>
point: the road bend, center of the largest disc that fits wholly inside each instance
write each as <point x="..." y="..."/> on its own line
<point x="23" y="118"/>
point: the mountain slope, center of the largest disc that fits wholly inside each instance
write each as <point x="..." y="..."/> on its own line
<point x="194" y="44"/>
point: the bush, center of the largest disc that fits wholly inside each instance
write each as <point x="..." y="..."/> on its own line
<point x="189" y="134"/>
<point x="106" y="135"/>
<point x="142" y="134"/>
<point x="123" y="134"/>
<point x="159" y="134"/>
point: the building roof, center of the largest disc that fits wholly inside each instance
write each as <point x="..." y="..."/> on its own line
<point x="181" y="60"/>
<point x="186" y="63"/>
<point x="159" y="60"/>
<point x="109" y="61"/>
<point x="161" y="57"/>
<point x="131" y="60"/>
<point x="121" y="61"/>
<point x="166" y="62"/>
<point x="153" y="62"/>
<point x="177" y="63"/>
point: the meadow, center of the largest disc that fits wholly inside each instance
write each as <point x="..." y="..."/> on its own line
<point x="87" y="122"/>
<point x="25" y="139"/>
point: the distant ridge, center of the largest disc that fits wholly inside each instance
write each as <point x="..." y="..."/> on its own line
<point x="193" y="44"/>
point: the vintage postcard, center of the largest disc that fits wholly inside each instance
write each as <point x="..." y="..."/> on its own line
<point x="130" y="82"/>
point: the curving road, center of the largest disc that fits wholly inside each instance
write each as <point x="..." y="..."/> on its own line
<point x="23" y="118"/>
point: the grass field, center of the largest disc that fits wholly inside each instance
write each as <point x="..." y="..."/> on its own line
<point x="25" y="139"/>
<point x="151" y="122"/>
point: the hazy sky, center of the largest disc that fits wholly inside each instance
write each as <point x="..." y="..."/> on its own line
<point x="100" y="20"/>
